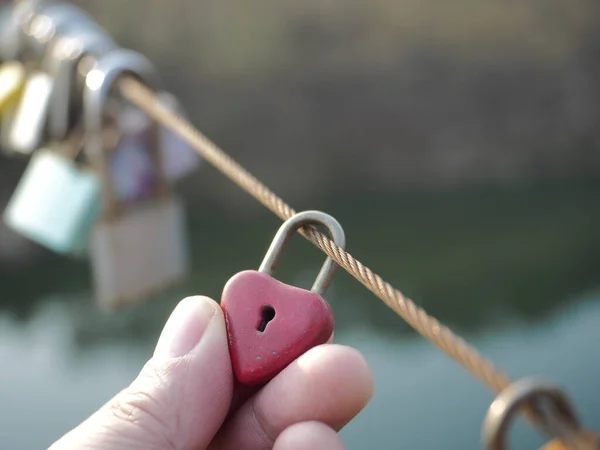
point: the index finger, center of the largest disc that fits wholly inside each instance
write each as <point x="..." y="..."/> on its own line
<point x="329" y="384"/>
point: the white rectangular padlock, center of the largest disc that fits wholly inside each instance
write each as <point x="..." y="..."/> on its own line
<point x="138" y="248"/>
<point x="140" y="253"/>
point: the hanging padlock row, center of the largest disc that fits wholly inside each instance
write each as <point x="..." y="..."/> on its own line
<point x="100" y="174"/>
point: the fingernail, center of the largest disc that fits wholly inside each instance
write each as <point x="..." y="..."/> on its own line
<point x="185" y="327"/>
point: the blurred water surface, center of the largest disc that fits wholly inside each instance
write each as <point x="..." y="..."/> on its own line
<point x="422" y="399"/>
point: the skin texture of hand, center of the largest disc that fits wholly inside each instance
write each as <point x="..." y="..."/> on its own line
<point x="184" y="397"/>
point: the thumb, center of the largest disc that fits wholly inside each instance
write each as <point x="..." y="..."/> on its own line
<point x="181" y="396"/>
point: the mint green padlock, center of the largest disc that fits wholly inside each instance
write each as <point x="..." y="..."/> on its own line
<point x="56" y="202"/>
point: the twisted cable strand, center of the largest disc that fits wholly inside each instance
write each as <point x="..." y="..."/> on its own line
<point x="440" y="335"/>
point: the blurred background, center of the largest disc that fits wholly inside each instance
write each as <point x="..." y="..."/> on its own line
<point x="456" y="142"/>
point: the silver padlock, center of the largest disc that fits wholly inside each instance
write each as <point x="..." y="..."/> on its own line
<point x="137" y="248"/>
<point x="45" y="31"/>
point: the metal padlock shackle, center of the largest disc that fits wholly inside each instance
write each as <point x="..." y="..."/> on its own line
<point x="67" y="20"/>
<point x="99" y="83"/>
<point x="74" y="35"/>
<point x="66" y="54"/>
<point x="507" y="404"/>
<point x="54" y="20"/>
<point x="287" y="230"/>
<point x="16" y="17"/>
<point x="71" y="23"/>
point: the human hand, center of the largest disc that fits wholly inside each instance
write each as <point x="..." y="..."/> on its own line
<point x="184" y="397"/>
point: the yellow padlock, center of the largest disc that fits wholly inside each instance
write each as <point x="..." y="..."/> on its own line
<point x="12" y="80"/>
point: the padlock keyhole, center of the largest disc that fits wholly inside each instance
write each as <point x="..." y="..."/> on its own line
<point x="267" y="313"/>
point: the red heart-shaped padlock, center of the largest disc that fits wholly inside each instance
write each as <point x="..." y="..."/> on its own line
<point x="270" y="324"/>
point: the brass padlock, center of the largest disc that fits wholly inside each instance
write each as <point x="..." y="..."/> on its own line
<point x="12" y="78"/>
<point x="547" y="407"/>
<point x="137" y="248"/>
<point x="585" y="439"/>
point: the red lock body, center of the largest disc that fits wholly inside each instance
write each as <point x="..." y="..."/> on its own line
<point x="269" y="323"/>
<point x="302" y="319"/>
